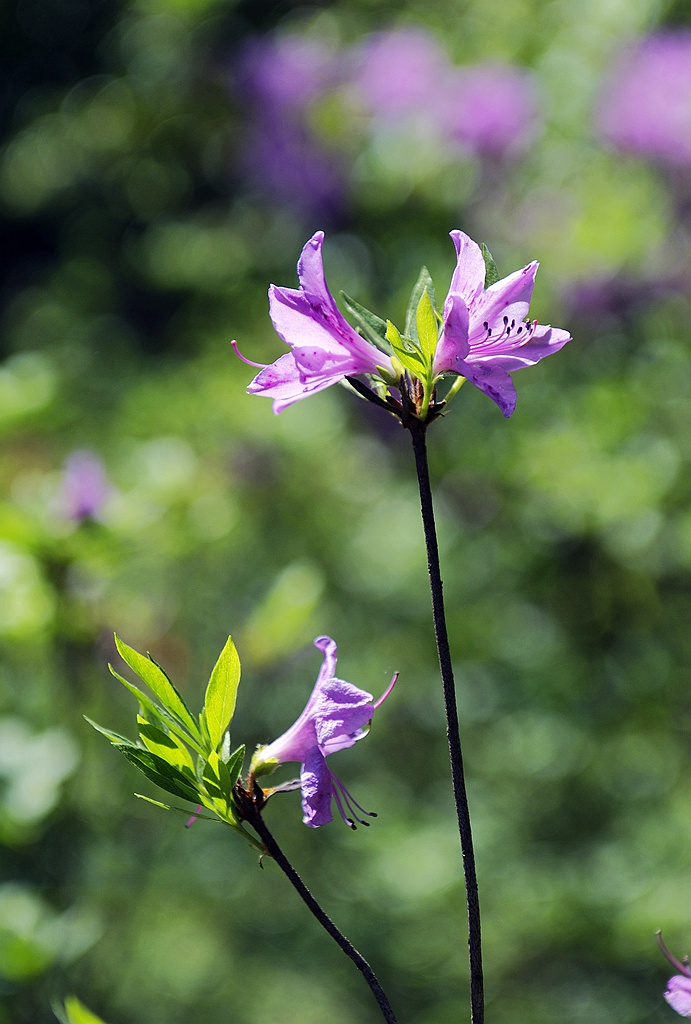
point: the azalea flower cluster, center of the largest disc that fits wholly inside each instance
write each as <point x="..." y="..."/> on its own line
<point x="482" y="335"/>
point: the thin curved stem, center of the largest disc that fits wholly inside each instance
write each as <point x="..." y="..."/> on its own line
<point x="417" y="431"/>
<point x="273" y="849"/>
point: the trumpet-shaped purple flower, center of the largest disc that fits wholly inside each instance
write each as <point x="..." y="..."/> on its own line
<point x="486" y="335"/>
<point x="324" y="347"/>
<point x="336" y="716"/>
<point x="678" y="993"/>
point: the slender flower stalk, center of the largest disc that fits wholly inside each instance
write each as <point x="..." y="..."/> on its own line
<point x="417" y="431"/>
<point x="250" y="809"/>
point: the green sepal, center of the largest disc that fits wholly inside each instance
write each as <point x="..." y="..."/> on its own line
<point x="155" y="712"/>
<point x="371" y="325"/>
<point x="163" y="774"/>
<point x="491" y="272"/>
<point x="423" y="282"/>
<point x="234" y="764"/>
<point x="426" y="323"/>
<point x="159" y="684"/>
<point x="221" y="693"/>
<point x="166" y="746"/>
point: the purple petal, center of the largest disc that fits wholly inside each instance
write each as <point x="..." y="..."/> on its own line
<point x="508" y="298"/>
<point x="311" y="273"/>
<point x="543" y="341"/>
<point x="319" y="335"/>
<point x="341" y="711"/>
<point x="468" y="278"/>
<point x="678" y="994"/>
<point x="453" y="345"/>
<point x="494" y="382"/>
<point x="317" y="789"/>
<point x="330" y="651"/>
<point x="283" y="382"/>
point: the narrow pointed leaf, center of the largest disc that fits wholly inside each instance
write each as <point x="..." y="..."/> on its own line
<point x="426" y="323"/>
<point x="74" y="1012"/>
<point x="167" y="747"/>
<point x="115" y="738"/>
<point x="218" y="771"/>
<point x="180" y="810"/>
<point x="159" y="683"/>
<point x="491" y="272"/>
<point x="154" y="712"/>
<point x="423" y="281"/>
<point x="161" y="773"/>
<point x="235" y="763"/>
<point x="221" y="693"/>
<point x="371" y="325"/>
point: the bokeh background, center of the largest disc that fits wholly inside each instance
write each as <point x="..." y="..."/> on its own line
<point x="161" y="162"/>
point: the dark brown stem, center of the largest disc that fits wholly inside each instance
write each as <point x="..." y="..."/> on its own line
<point x="254" y="818"/>
<point x="477" y="1003"/>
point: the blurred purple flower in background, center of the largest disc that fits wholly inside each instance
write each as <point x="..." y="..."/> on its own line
<point x="84" y="487"/>
<point x="335" y="718"/>
<point x="646" y="108"/>
<point x="287" y="72"/>
<point x="304" y="157"/>
<point x="280" y="78"/>
<point x="491" y="109"/>
<point x="399" y="73"/>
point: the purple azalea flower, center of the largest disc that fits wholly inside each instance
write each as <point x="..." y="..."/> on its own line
<point x="486" y="335"/>
<point x="324" y="347"/>
<point x="647" y="106"/>
<point x="85" y="487"/>
<point x="678" y="993"/>
<point x="336" y="717"/>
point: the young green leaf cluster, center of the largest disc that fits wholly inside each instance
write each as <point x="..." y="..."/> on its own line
<point x="187" y="757"/>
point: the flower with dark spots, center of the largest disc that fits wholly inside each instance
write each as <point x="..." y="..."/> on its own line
<point x="336" y="716"/>
<point x="486" y="333"/>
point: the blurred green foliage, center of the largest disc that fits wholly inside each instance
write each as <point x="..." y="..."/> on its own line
<point x="136" y="244"/>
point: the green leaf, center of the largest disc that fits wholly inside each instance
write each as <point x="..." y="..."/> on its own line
<point x="161" y="772"/>
<point x="166" y="746"/>
<point x="426" y="323"/>
<point x="154" y="712"/>
<point x="423" y="282"/>
<point x="491" y="272"/>
<point x="217" y="775"/>
<point x="180" y="810"/>
<point x="115" y="738"/>
<point x="74" y="1012"/>
<point x="235" y="763"/>
<point x="159" y="683"/>
<point x="221" y="693"/>
<point x="407" y="354"/>
<point x="371" y="325"/>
